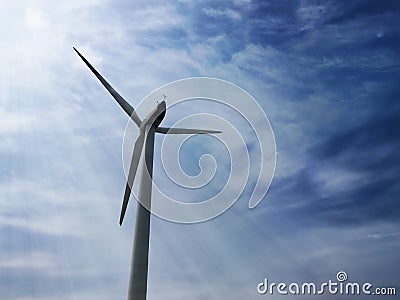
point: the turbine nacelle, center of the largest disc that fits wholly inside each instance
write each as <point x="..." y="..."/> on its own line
<point x="155" y="116"/>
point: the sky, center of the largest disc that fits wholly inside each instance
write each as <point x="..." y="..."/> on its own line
<point x="326" y="75"/>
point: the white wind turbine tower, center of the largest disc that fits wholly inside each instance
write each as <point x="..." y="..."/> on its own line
<point x="147" y="128"/>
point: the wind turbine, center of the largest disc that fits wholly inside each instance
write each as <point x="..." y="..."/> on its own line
<point x="147" y="129"/>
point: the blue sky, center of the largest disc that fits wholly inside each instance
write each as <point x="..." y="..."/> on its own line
<point x="326" y="74"/>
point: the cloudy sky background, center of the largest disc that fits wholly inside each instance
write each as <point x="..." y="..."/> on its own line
<point x="326" y="73"/>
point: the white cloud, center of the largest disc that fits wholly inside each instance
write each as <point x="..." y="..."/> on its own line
<point x="379" y="236"/>
<point x="223" y="13"/>
<point x="12" y="123"/>
<point x="332" y="179"/>
<point x="35" y="18"/>
<point x="34" y="260"/>
<point x="310" y="15"/>
<point x="157" y="18"/>
<point x="242" y="3"/>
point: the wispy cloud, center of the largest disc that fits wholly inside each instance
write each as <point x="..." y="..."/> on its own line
<point x="224" y="13"/>
<point x="326" y="76"/>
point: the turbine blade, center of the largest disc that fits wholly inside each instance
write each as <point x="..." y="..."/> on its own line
<point x="121" y="101"/>
<point x="173" y="130"/>
<point x="132" y="172"/>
